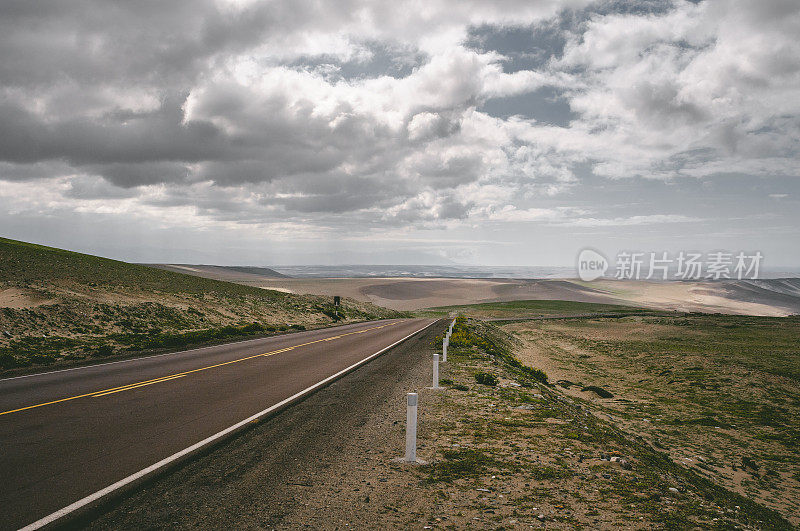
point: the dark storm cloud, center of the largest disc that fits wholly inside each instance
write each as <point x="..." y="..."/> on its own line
<point x="152" y="136"/>
<point x="140" y="42"/>
<point x="30" y="172"/>
<point x="353" y="115"/>
<point x="97" y="188"/>
<point x="143" y="93"/>
<point x="128" y="175"/>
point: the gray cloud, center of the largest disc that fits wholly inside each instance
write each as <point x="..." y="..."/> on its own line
<point x="309" y="118"/>
<point x="97" y="188"/>
<point x="153" y="136"/>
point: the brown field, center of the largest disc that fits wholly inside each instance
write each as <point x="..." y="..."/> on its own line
<point x="774" y="298"/>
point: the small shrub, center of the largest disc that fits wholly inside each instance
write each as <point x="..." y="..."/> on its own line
<point x="462" y="463"/>
<point x="536" y="374"/>
<point x="7" y="361"/>
<point x="252" y="328"/>
<point x="104" y="350"/>
<point x="446" y="381"/>
<point x="599" y="391"/>
<point x="486" y="378"/>
<point x="42" y="359"/>
<point x="460" y="387"/>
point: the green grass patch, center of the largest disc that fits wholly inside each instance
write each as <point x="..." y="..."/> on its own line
<point x="543" y="308"/>
<point x="486" y="378"/>
<point x="463" y="463"/>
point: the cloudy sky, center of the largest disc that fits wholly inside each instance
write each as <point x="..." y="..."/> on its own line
<point x="471" y="132"/>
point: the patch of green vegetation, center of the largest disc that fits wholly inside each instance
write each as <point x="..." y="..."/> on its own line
<point x="463" y="463"/>
<point x="104" y="350"/>
<point x="35" y="350"/>
<point x="472" y="336"/>
<point x="741" y="346"/>
<point x="166" y="340"/>
<point x="703" y="421"/>
<point x="530" y="308"/>
<point x="47" y="350"/>
<point x="486" y="378"/>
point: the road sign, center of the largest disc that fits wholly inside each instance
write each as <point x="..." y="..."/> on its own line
<point x="337" y="300"/>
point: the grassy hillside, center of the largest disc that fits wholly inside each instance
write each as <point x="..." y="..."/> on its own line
<point x="719" y="393"/>
<point x="24" y="263"/>
<point x="714" y="449"/>
<point x="63" y="307"/>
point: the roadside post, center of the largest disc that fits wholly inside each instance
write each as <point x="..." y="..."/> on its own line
<point x="445" y="342"/>
<point x="436" y="371"/>
<point x="337" y="301"/>
<point x="411" y="427"/>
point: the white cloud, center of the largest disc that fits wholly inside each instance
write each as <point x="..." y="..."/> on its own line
<point x="656" y="219"/>
<point x="718" y="77"/>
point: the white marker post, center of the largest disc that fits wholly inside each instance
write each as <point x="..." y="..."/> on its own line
<point x="444" y="349"/>
<point x="436" y="371"/>
<point x="411" y="428"/>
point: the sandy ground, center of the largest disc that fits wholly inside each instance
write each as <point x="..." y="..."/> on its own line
<point x="693" y="296"/>
<point x="730" y="297"/>
<point x="21" y="298"/>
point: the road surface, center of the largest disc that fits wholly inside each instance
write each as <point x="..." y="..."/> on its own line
<point x="68" y="435"/>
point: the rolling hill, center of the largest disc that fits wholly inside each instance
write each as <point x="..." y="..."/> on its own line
<point x="242" y="274"/>
<point x="63" y="307"/>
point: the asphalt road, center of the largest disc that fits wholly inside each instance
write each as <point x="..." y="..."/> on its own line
<point x="68" y="434"/>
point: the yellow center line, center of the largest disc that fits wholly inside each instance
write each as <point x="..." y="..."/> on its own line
<point x="138" y="385"/>
<point x="135" y="385"/>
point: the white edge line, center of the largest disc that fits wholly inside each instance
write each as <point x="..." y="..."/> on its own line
<point x="49" y="519"/>
<point x="182" y="351"/>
